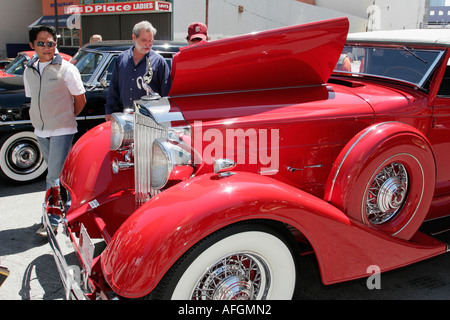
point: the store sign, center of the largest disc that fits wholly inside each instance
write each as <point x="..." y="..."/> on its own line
<point x="120" y="7"/>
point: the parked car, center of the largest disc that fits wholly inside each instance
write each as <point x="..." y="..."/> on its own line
<point x="4" y="63"/>
<point x="20" y="157"/>
<point x="17" y="65"/>
<point x="262" y="154"/>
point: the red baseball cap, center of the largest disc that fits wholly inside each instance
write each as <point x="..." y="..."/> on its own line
<point x="197" y="30"/>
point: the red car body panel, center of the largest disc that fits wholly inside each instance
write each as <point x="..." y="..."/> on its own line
<point x="255" y="61"/>
<point x="329" y="132"/>
<point x="180" y="224"/>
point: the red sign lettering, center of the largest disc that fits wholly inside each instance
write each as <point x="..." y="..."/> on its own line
<point x="119" y="7"/>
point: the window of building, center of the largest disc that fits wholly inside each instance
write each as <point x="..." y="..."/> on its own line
<point x="69" y="37"/>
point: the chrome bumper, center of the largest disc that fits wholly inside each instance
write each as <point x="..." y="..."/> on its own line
<point x="70" y="275"/>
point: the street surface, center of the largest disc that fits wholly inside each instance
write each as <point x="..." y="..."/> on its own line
<point x="34" y="276"/>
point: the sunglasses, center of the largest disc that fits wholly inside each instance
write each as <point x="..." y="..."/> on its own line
<point x="43" y="44"/>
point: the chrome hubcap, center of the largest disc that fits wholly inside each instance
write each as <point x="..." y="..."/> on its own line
<point x="23" y="156"/>
<point x="241" y="276"/>
<point x="387" y="193"/>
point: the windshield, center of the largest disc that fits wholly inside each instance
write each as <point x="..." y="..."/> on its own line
<point x="87" y="62"/>
<point x="406" y="64"/>
<point x="16" y="66"/>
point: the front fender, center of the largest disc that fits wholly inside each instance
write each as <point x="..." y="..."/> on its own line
<point x="159" y="232"/>
<point x="87" y="171"/>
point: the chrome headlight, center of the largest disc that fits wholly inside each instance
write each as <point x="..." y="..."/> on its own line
<point x="122" y="129"/>
<point x="167" y="156"/>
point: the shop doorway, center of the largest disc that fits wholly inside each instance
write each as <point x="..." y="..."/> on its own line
<point x="118" y="27"/>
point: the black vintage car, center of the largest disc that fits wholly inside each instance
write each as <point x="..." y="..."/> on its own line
<point x="20" y="157"/>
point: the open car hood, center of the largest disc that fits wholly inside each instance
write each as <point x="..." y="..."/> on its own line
<point x="303" y="55"/>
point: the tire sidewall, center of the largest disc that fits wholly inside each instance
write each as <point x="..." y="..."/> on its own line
<point x="259" y="239"/>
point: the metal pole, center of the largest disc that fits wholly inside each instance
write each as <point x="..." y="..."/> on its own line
<point x="56" y="15"/>
<point x="207" y="13"/>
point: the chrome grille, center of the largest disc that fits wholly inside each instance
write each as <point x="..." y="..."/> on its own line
<point x="146" y="130"/>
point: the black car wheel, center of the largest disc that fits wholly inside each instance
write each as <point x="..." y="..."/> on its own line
<point x="20" y="157"/>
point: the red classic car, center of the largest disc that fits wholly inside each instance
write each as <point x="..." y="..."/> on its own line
<point x="266" y="149"/>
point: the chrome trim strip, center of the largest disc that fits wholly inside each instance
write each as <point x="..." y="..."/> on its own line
<point x="93" y="117"/>
<point x="10" y="123"/>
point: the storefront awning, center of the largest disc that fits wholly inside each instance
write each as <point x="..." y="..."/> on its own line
<point x="70" y="21"/>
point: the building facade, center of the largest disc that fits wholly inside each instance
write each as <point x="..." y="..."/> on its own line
<point x="77" y="20"/>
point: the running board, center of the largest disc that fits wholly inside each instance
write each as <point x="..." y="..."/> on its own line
<point x="438" y="229"/>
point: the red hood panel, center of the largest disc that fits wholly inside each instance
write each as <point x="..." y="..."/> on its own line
<point x="302" y="55"/>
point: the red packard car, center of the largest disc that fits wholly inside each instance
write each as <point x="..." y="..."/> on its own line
<point x="270" y="146"/>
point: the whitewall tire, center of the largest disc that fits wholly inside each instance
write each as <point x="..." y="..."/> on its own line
<point x="20" y="157"/>
<point x="243" y="262"/>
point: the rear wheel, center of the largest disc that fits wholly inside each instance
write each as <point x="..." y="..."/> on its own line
<point x="242" y="262"/>
<point x="20" y="157"/>
<point x="387" y="184"/>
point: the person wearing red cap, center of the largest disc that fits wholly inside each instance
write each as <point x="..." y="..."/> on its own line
<point x="197" y="32"/>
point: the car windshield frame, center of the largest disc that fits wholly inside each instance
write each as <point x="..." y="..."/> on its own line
<point x="16" y="66"/>
<point x="87" y="63"/>
<point x="400" y="63"/>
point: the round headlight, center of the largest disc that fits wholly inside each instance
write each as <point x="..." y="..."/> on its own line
<point x="122" y="128"/>
<point x="161" y="164"/>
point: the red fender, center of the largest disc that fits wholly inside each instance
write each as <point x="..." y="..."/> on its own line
<point x="366" y="178"/>
<point x="159" y="232"/>
<point x="162" y="230"/>
<point x="87" y="172"/>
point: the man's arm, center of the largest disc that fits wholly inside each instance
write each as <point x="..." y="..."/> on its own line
<point x="165" y="79"/>
<point x="79" y="103"/>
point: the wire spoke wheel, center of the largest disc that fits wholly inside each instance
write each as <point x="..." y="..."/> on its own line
<point x="242" y="276"/>
<point x="387" y="193"/>
<point x="252" y="260"/>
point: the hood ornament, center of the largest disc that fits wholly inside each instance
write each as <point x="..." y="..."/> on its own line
<point x="143" y="82"/>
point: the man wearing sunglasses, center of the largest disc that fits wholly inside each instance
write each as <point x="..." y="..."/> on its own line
<point x="57" y="97"/>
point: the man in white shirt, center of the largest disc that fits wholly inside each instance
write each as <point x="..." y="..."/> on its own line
<point x="57" y="97"/>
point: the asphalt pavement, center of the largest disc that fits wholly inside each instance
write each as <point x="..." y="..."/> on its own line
<point x="33" y="274"/>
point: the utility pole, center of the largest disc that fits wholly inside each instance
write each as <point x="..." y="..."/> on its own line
<point x="207" y="13"/>
<point x="56" y="15"/>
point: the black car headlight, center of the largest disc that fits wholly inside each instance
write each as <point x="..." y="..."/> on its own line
<point x="122" y="130"/>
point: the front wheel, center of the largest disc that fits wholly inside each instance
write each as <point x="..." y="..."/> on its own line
<point x="242" y="262"/>
<point x="20" y="157"/>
